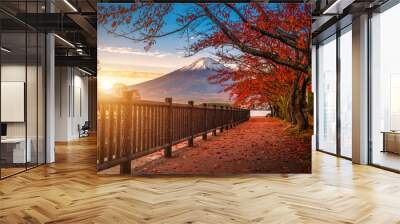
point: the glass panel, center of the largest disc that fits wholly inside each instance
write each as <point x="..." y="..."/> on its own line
<point x="23" y="89"/>
<point x="32" y="87"/>
<point x="327" y="96"/>
<point x="31" y="98"/>
<point x="13" y="87"/>
<point x="346" y="94"/>
<point x="385" y="84"/>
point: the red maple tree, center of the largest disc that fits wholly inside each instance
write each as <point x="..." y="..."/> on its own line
<point x="268" y="43"/>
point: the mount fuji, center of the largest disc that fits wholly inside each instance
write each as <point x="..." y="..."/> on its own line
<point x="187" y="83"/>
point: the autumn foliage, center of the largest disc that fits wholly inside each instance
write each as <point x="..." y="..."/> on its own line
<point x="261" y="145"/>
<point x="268" y="44"/>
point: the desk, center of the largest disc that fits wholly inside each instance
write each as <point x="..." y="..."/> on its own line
<point x="391" y="141"/>
<point x="13" y="150"/>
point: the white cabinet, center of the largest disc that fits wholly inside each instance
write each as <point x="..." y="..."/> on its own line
<point x="16" y="148"/>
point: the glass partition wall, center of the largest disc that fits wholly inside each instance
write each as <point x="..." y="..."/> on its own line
<point x="334" y="119"/>
<point x="385" y="89"/>
<point x="345" y="91"/>
<point x="327" y="95"/>
<point x="334" y="93"/>
<point x="22" y="77"/>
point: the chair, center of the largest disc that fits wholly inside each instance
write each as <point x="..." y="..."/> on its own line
<point x="84" y="130"/>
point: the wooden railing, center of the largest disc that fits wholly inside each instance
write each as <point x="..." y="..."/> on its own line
<point x="129" y="129"/>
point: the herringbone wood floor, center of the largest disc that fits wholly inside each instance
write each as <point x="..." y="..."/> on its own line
<point x="71" y="192"/>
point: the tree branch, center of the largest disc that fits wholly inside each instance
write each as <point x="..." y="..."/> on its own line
<point x="250" y="50"/>
<point x="147" y="37"/>
<point x="264" y="32"/>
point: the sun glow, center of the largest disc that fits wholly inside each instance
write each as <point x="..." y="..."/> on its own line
<point x="106" y="85"/>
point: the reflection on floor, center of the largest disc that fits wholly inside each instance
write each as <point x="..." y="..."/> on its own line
<point x="10" y="171"/>
<point x="70" y="191"/>
<point x="387" y="159"/>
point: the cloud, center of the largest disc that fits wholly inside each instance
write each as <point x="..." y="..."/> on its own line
<point x="131" y="51"/>
<point x="130" y="74"/>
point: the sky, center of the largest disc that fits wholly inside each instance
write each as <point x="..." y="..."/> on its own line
<point x="119" y="54"/>
<point x="124" y="61"/>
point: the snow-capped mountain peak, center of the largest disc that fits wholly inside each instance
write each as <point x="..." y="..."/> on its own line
<point x="190" y="82"/>
<point x="204" y="63"/>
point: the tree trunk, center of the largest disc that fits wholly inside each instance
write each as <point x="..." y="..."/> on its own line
<point x="276" y="111"/>
<point x="292" y="99"/>
<point x="301" y="117"/>
<point x="270" y="110"/>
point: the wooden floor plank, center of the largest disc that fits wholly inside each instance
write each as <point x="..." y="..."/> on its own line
<point x="70" y="191"/>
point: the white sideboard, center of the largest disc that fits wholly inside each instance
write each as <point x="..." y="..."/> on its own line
<point x="17" y="147"/>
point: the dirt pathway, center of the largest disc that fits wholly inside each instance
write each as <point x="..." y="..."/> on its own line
<point x="261" y="145"/>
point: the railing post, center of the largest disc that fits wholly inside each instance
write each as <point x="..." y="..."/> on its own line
<point x="214" y="133"/>
<point x="125" y="167"/>
<point x="222" y="121"/>
<point x="168" y="149"/>
<point x="227" y="115"/>
<point x="111" y="143"/>
<point x="233" y="110"/>
<point x="205" y="122"/>
<point x="231" y="117"/>
<point x="102" y="133"/>
<point x="237" y="117"/>
<point x="190" y="141"/>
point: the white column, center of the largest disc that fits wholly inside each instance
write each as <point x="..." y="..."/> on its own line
<point x="360" y="90"/>
<point x="50" y="98"/>
<point x="50" y="92"/>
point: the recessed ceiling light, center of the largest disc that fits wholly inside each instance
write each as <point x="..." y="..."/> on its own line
<point x="338" y="6"/>
<point x="86" y="72"/>
<point x="5" y="50"/>
<point x="70" y="5"/>
<point x="64" y="40"/>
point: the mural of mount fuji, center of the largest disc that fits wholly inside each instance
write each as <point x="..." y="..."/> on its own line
<point x="204" y="89"/>
<point x="190" y="82"/>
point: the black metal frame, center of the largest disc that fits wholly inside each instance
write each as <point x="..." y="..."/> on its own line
<point x="338" y="95"/>
<point x="369" y="70"/>
<point x="316" y="98"/>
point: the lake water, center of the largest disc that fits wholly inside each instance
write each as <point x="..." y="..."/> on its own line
<point x="259" y="113"/>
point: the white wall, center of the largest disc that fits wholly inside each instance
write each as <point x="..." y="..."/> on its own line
<point x="12" y="73"/>
<point x="71" y="102"/>
<point x="62" y="82"/>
